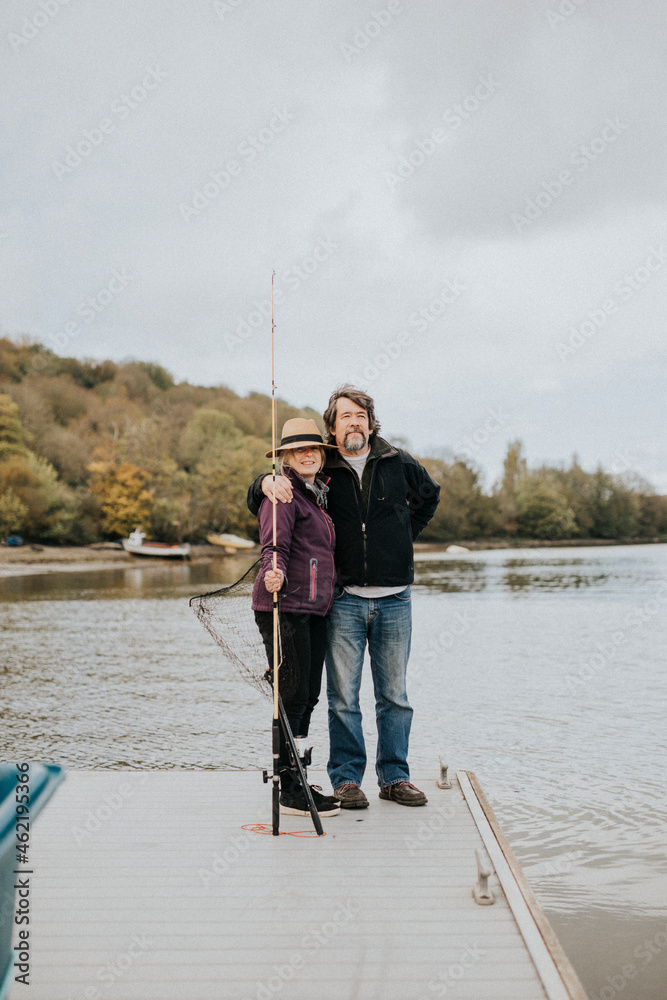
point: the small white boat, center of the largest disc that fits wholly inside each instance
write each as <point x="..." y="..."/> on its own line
<point x="231" y="542"/>
<point x="138" y="545"/>
<point x="457" y="549"/>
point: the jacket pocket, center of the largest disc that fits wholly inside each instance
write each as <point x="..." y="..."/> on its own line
<point x="312" y="581"/>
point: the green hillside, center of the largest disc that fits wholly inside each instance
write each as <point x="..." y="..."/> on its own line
<point x="90" y="450"/>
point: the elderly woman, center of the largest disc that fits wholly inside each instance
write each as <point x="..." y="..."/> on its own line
<point x="304" y="582"/>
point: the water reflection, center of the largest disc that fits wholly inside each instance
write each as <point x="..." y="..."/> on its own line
<point x="451" y="576"/>
<point x="493" y="569"/>
<point x="552" y="581"/>
<point x="157" y="580"/>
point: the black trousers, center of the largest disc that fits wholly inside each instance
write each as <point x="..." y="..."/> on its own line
<point x="303" y="640"/>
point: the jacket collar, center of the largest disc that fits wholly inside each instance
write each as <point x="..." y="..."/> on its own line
<point x="303" y="484"/>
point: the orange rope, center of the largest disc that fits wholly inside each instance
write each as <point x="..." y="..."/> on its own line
<point x="263" y="828"/>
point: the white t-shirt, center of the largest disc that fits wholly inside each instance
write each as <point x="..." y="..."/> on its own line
<point x="358" y="463"/>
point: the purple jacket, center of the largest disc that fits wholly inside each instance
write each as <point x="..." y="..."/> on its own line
<point x="305" y="542"/>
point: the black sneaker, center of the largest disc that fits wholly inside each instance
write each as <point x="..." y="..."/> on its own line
<point x="296" y="803"/>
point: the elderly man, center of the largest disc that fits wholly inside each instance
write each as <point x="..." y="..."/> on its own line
<point x="380" y="498"/>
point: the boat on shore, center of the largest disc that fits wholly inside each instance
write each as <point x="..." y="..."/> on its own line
<point x="138" y="545"/>
<point x="230" y="543"/>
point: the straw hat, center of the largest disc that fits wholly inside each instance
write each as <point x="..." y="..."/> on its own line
<point x="299" y="432"/>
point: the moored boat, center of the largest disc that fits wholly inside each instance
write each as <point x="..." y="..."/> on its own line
<point x="138" y="545"/>
<point x="230" y="542"/>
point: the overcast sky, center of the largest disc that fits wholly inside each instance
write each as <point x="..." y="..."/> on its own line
<point x="464" y="204"/>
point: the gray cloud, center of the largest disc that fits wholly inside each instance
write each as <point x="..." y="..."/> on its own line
<point x="198" y="147"/>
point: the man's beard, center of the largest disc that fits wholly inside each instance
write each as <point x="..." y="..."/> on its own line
<point x="356" y="443"/>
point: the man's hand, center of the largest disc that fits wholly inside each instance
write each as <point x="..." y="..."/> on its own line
<point x="283" y="488"/>
<point x="273" y="581"/>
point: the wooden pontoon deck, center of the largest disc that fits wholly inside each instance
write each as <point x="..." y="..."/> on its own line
<point x="146" y="886"/>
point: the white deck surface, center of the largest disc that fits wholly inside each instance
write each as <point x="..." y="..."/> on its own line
<point x="146" y="887"/>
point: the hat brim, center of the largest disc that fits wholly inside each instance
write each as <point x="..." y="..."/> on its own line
<point x="293" y="445"/>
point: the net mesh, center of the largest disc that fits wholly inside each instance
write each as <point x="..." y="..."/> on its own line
<point x="227" y="616"/>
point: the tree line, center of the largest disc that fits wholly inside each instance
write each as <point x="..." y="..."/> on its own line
<point x="91" y="450"/>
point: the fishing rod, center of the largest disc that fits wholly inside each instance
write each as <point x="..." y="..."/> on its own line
<point x="276" y="633"/>
<point x="279" y="714"/>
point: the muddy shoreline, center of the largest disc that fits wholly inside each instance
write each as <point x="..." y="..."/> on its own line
<point x="19" y="560"/>
<point x="57" y="559"/>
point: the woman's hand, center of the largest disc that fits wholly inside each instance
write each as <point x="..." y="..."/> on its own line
<point x="273" y="581"/>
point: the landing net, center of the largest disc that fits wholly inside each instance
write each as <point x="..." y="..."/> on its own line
<point x="228" y="616"/>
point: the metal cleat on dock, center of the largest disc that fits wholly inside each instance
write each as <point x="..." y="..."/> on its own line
<point x="485" y="870"/>
<point x="443" y="780"/>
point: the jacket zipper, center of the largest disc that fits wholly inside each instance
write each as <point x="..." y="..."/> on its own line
<point x="363" y="523"/>
<point x="313" y="579"/>
<point x="329" y="524"/>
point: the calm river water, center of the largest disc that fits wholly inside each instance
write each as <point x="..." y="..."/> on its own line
<point x="541" y="670"/>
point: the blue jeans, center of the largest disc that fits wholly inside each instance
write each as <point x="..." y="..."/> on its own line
<point x="385" y="623"/>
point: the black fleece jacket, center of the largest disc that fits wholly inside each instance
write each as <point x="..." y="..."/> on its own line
<point x="376" y="522"/>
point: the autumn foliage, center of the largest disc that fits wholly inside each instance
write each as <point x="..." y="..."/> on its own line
<point x="91" y="450"/>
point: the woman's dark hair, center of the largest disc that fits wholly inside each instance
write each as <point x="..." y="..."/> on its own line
<point x="358" y="397"/>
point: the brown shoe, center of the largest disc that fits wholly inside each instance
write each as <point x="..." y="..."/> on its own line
<point x="351" y="796"/>
<point x="404" y="793"/>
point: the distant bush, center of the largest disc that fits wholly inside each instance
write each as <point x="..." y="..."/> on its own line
<point x="49" y="506"/>
<point x="13" y="436"/>
<point x="125" y="500"/>
<point x="158" y="375"/>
